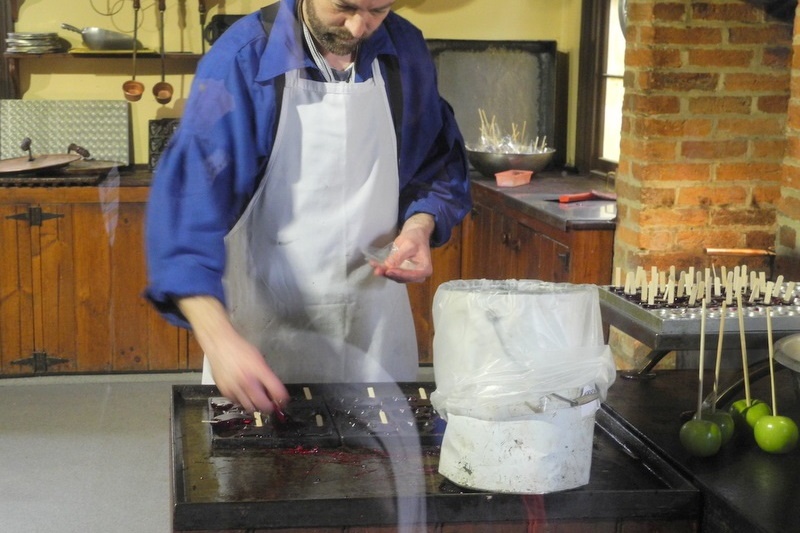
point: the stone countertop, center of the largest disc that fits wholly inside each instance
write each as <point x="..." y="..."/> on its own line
<point x="539" y="200"/>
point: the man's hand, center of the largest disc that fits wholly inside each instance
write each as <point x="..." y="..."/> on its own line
<point x="238" y="367"/>
<point x="410" y="259"/>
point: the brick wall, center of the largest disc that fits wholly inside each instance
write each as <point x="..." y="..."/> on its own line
<point x="787" y="245"/>
<point x="708" y="147"/>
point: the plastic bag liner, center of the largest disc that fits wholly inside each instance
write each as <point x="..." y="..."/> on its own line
<point x="506" y="348"/>
<point x="520" y="370"/>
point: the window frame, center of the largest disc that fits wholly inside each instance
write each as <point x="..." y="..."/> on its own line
<point x="8" y="16"/>
<point x="591" y="88"/>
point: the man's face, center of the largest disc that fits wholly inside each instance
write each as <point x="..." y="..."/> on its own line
<point x="339" y="26"/>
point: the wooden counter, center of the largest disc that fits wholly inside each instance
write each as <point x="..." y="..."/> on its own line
<point x="73" y="268"/>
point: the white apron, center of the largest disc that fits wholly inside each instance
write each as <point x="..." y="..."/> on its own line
<point x="297" y="284"/>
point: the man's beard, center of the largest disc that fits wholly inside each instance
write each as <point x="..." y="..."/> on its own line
<point x="337" y="41"/>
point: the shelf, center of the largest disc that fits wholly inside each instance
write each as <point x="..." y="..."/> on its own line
<point x="13" y="59"/>
<point x="105" y="54"/>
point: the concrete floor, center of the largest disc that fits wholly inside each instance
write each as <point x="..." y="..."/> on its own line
<point x="86" y="454"/>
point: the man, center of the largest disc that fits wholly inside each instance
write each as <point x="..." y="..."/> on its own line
<point x="288" y="164"/>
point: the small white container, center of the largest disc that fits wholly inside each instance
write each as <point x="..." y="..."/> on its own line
<point x="521" y="368"/>
<point x="546" y="452"/>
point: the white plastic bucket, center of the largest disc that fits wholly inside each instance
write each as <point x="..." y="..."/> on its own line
<point x="520" y="369"/>
<point x="547" y="452"/>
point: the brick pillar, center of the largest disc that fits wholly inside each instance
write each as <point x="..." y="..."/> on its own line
<point x="703" y="135"/>
<point x="788" y="217"/>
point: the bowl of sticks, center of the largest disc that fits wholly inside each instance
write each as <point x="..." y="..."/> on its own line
<point x="498" y="152"/>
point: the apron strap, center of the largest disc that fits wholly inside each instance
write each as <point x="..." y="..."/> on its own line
<point x="394" y="86"/>
<point x="268" y="15"/>
<point x="394" y="89"/>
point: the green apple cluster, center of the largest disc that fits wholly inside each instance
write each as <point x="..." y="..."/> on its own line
<point x="772" y="433"/>
<point x="703" y="436"/>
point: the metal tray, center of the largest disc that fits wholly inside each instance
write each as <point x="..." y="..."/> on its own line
<point x="676" y="329"/>
<point x="350" y="486"/>
<point x="373" y="415"/>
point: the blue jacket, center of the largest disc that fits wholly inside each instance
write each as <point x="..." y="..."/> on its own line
<point x="216" y="158"/>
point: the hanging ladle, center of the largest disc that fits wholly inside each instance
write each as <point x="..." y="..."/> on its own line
<point x="133" y="89"/>
<point x="162" y="90"/>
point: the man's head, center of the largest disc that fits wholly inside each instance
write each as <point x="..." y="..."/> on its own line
<point x="339" y="26"/>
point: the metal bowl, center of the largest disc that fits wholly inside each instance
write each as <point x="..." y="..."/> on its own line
<point x="490" y="163"/>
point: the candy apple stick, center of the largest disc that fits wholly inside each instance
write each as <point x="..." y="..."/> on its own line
<point x="701" y="363"/>
<point x="768" y="293"/>
<point x="718" y="364"/>
<point x="771" y="359"/>
<point x="789" y="293"/>
<point x="746" y="375"/>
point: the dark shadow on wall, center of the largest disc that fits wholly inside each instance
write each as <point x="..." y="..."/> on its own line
<point x="780" y="9"/>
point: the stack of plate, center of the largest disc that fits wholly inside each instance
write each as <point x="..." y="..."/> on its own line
<point x="34" y="43"/>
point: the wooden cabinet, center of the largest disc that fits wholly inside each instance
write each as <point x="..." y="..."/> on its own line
<point x="72" y="275"/>
<point x="502" y="242"/>
<point x="71" y="284"/>
<point x="446" y="267"/>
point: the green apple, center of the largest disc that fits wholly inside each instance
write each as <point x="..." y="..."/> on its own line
<point x="776" y="434"/>
<point x="746" y="416"/>
<point x="724" y="420"/>
<point x="701" y="438"/>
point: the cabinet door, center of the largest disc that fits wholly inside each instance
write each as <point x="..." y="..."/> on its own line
<point x="86" y="276"/>
<point x="446" y="267"/>
<point x="497" y="246"/>
<point x="554" y="260"/>
<point x="16" y="290"/>
<point x="116" y="328"/>
<point x="524" y="246"/>
<point x="485" y="253"/>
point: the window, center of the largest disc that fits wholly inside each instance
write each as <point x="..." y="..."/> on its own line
<point x="600" y="87"/>
<point x="6" y="25"/>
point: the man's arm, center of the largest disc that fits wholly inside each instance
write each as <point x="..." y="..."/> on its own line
<point x="412" y="244"/>
<point x="239" y="369"/>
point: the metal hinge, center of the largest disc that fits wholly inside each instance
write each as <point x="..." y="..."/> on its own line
<point x="35" y="216"/>
<point x="40" y="361"/>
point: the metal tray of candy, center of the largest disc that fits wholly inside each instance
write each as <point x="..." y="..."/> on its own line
<point x="372" y="478"/>
<point x="363" y="415"/>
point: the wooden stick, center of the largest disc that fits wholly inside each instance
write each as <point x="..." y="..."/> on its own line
<point x="718" y="364"/>
<point x="701" y="364"/>
<point x="789" y="293"/>
<point x="746" y="375"/>
<point x="771" y="359"/>
<point x="693" y="296"/>
<point x="768" y="293"/>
